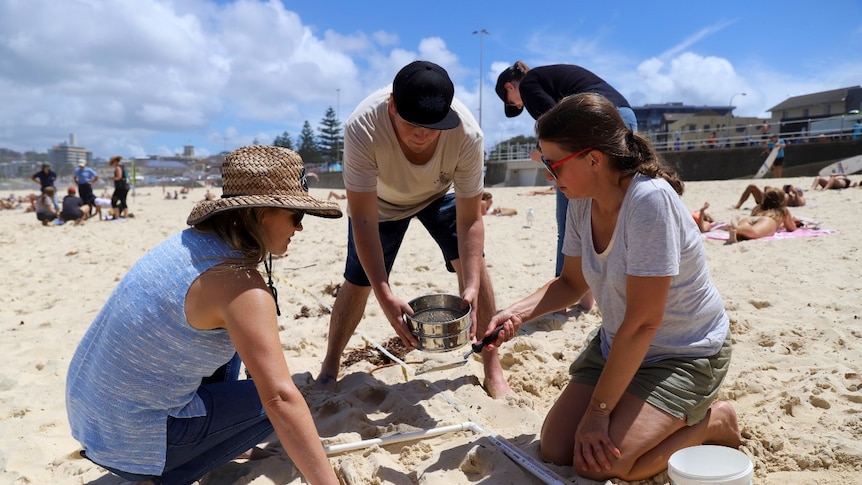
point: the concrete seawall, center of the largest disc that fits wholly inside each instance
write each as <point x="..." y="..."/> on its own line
<point x="800" y="160"/>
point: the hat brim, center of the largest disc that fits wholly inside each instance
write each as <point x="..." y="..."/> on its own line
<point x="451" y="120"/>
<point x="512" y="110"/>
<point x="311" y="206"/>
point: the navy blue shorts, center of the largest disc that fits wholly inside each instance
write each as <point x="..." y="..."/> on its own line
<point x="235" y="421"/>
<point x="438" y="218"/>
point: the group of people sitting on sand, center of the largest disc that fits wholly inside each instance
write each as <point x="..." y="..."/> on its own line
<point x="766" y="218"/>
<point x="70" y="209"/>
<point x="771" y="213"/>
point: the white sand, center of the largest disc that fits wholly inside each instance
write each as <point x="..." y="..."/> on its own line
<point x="795" y="307"/>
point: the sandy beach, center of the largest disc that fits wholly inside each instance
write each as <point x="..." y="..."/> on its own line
<point x="795" y="379"/>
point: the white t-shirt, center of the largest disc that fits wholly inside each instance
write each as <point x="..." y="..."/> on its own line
<point x="655" y="235"/>
<point x="373" y="160"/>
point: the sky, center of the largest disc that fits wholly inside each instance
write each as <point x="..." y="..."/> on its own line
<point x="146" y="77"/>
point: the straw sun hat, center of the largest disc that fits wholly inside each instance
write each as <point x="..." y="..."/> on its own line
<point x="263" y="176"/>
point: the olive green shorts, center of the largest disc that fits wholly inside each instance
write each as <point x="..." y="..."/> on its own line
<point x="684" y="387"/>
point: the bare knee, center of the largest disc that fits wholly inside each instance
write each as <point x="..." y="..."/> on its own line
<point x="553" y="452"/>
<point x="557" y="443"/>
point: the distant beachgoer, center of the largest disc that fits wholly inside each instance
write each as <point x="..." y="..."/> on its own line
<point x="85" y="177"/>
<point x="795" y="197"/>
<point x="121" y="187"/>
<point x="550" y="190"/>
<point x="765" y="220"/>
<point x="335" y="195"/>
<point x="711" y="141"/>
<point x="504" y="211"/>
<point x="72" y="207"/>
<point x="778" y="164"/>
<point x="102" y="204"/>
<point x="44" y="204"/>
<point x="834" y="181"/>
<point x="46" y="178"/>
<point x="487" y="202"/>
<point x="11" y="202"/>
<point x="705" y="222"/>
<point x="764" y="132"/>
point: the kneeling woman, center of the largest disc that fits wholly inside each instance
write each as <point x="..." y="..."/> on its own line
<point x="646" y="382"/>
<point x="152" y="391"/>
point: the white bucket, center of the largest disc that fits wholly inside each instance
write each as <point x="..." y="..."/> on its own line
<point x="710" y="464"/>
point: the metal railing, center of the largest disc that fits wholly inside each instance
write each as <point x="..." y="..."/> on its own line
<point x="726" y="137"/>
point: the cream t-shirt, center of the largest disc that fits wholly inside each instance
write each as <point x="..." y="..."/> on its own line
<point x="373" y="160"/>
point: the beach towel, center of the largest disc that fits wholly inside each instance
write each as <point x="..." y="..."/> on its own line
<point x="723" y="235"/>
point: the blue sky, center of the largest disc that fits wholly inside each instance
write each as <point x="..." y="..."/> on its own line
<point x="145" y="77"/>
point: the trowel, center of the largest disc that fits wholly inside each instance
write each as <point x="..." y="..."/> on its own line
<point x="474" y="349"/>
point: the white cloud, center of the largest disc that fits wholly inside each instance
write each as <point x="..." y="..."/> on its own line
<point x="219" y="74"/>
<point x="147" y="67"/>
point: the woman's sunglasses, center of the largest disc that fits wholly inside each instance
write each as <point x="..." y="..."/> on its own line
<point x="297" y="216"/>
<point x="552" y="165"/>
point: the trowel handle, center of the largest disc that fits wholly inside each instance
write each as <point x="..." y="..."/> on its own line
<point x="487" y="340"/>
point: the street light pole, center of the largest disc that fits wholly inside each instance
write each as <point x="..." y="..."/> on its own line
<point x="337" y="136"/>
<point x="730" y="108"/>
<point x="481" y="33"/>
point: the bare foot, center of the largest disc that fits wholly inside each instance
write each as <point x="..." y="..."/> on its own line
<point x="723" y="427"/>
<point x="497" y="389"/>
<point x="326" y="382"/>
<point x="495" y="382"/>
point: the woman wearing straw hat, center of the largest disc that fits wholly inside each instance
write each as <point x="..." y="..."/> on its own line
<point x="152" y="391"/>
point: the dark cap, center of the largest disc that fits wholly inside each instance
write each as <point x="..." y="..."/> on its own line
<point x="423" y="95"/>
<point x="46" y="165"/>
<point x="510" y="109"/>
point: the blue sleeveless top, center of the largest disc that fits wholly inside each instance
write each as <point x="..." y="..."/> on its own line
<point x="141" y="361"/>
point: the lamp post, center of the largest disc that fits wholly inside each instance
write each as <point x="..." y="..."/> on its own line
<point x="481" y="33"/>
<point x="337" y="136"/>
<point x="730" y="108"/>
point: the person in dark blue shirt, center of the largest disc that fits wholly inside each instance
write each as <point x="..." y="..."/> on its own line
<point x="45" y="178"/>
<point x="72" y="207"/>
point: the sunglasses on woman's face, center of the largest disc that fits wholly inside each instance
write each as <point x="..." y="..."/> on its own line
<point x="551" y="165"/>
<point x="297" y="216"/>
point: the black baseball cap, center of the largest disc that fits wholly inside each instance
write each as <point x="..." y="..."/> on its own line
<point x="510" y="109"/>
<point x="423" y="95"/>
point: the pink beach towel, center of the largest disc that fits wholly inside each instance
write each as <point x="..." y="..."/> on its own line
<point x="723" y="235"/>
